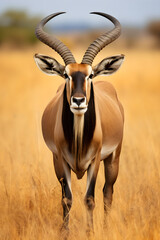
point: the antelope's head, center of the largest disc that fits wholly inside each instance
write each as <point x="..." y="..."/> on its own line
<point x="78" y="76"/>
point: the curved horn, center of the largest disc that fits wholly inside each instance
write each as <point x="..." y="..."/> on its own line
<point x="103" y="40"/>
<point x="53" y="42"/>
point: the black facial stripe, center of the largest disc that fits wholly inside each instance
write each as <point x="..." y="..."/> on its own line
<point x="78" y="79"/>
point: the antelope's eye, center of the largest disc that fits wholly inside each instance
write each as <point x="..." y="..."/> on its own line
<point x="91" y="76"/>
<point x="66" y="76"/>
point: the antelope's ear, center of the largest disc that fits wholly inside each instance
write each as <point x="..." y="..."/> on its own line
<point x="108" y="65"/>
<point x="49" y="65"/>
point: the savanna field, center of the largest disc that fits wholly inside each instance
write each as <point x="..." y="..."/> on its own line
<point x="30" y="194"/>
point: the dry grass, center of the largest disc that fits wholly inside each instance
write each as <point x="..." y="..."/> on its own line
<point x="30" y="195"/>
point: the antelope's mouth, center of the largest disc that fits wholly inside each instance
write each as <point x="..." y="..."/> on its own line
<point x="78" y="110"/>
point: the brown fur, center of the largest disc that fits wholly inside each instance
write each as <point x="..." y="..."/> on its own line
<point x="105" y="144"/>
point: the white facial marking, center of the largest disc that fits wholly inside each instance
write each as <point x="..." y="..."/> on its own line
<point x="78" y="111"/>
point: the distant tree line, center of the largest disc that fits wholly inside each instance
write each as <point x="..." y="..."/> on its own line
<point x="154" y="30"/>
<point x="18" y="28"/>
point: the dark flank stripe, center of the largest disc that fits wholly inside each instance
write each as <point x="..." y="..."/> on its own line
<point x="89" y="122"/>
<point x="67" y="121"/>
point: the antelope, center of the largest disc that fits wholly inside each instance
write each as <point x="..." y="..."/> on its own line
<point x="83" y="123"/>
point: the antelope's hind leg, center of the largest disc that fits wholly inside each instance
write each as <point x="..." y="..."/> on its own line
<point x="63" y="173"/>
<point x="111" y="167"/>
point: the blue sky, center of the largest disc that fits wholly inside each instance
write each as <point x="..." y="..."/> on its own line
<point x="129" y="12"/>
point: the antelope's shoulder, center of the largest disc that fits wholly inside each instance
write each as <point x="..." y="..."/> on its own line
<point x="110" y="110"/>
<point x="52" y="113"/>
<point x="106" y="88"/>
<point x="54" y="103"/>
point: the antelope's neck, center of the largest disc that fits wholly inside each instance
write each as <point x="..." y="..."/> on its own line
<point x="78" y="130"/>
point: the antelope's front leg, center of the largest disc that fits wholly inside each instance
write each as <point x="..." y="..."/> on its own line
<point x="63" y="173"/>
<point x="89" y="197"/>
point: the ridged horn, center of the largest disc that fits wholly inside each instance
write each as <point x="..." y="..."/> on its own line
<point x="53" y="42"/>
<point x="103" y="40"/>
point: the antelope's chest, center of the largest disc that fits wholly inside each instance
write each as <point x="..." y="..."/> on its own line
<point x="79" y="163"/>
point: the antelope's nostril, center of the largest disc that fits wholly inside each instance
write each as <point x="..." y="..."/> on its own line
<point x="78" y="101"/>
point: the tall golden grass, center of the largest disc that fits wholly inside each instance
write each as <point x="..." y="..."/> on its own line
<point x="30" y="195"/>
